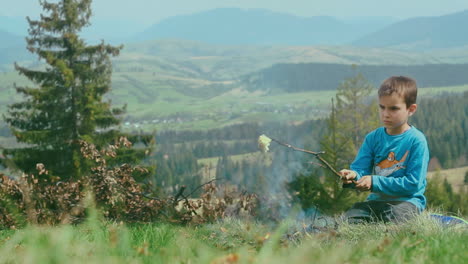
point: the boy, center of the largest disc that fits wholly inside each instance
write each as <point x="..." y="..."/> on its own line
<point x="392" y="161"/>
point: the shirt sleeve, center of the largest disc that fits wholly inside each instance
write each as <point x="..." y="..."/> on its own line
<point x="363" y="162"/>
<point x="412" y="181"/>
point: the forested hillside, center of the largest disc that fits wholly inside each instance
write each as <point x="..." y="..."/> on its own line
<point x="442" y="119"/>
<point x="321" y="76"/>
<point x="444" y="122"/>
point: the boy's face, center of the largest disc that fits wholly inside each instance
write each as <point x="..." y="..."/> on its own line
<point x="394" y="113"/>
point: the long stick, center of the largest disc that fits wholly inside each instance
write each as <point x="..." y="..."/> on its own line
<point x="316" y="154"/>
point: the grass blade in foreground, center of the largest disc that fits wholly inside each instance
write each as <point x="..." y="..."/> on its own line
<point x="233" y="241"/>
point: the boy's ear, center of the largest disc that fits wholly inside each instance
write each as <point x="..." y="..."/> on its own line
<point x="412" y="109"/>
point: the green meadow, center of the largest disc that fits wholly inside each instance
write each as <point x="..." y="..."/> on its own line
<point x="421" y="240"/>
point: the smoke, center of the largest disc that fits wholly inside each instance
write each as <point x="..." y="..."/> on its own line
<point x="277" y="200"/>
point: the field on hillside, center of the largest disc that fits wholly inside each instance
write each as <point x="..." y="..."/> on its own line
<point x="151" y="106"/>
<point x="456" y="176"/>
<point x="190" y="85"/>
<point x="172" y="111"/>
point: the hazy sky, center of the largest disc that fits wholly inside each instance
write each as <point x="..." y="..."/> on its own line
<point x="151" y="11"/>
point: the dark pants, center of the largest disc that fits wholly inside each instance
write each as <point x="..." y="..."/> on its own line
<point x="372" y="211"/>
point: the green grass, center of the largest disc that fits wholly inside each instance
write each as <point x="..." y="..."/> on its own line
<point x="235" y="241"/>
<point x="432" y="91"/>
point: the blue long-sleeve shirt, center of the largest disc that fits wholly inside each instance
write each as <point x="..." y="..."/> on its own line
<point x="397" y="164"/>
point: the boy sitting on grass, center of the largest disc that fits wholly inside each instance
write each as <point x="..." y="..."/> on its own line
<point x="392" y="161"/>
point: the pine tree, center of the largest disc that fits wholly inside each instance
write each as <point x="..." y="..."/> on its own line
<point x="440" y="195"/>
<point x="322" y="189"/>
<point x="356" y="117"/>
<point x="67" y="104"/>
<point x="349" y="121"/>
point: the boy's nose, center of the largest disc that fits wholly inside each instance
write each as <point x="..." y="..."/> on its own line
<point x="385" y="113"/>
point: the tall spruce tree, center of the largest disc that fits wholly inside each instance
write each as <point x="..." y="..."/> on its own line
<point x="67" y="104"/>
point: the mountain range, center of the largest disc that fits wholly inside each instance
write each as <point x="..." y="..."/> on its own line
<point x="421" y="33"/>
<point x="263" y="27"/>
<point x="260" y="26"/>
<point x="234" y="26"/>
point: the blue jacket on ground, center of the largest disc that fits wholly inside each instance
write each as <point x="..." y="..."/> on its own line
<point x="397" y="163"/>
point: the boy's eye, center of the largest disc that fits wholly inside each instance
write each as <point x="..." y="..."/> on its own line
<point x="391" y="108"/>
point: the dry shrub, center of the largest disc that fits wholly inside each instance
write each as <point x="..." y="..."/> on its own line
<point x="46" y="200"/>
<point x="29" y="199"/>
<point x="217" y="202"/>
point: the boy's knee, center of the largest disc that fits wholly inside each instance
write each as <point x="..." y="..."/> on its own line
<point x="371" y="211"/>
<point x="400" y="212"/>
<point x="359" y="213"/>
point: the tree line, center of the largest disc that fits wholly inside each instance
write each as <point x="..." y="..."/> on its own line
<point x="443" y="119"/>
<point x="327" y="76"/>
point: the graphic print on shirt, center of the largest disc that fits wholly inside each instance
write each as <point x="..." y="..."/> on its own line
<point x="390" y="164"/>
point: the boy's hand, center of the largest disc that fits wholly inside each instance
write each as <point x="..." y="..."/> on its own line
<point x="364" y="184"/>
<point x="347" y="176"/>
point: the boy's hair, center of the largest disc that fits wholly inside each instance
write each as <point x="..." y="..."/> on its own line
<point x="401" y="85"/>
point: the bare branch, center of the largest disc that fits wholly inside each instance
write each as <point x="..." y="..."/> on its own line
<point x="202" y="186"/>
<point x="179" y="193"/>
<point x="316" y="154"/>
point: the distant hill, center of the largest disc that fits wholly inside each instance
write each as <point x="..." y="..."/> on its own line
<point x="446" y="31"/>
<point x="115" y="31"/>
<point x="112" y="30"/>
<point x="12" y="48"/>
<point x="260" y="26"/>
<point x="9" y="40"/>
<point x="193" y="59"/>
<point x="14" y="25"/>
<point x="321" y="76"/>
<point x="234" y="26"/>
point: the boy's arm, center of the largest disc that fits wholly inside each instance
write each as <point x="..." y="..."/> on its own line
<point x="362" y="164"/>
<point x="410" y="183"/>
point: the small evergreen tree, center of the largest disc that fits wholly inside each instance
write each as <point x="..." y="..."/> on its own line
<point x="67" y="104"/>
<point x="348" y="123"/>
<point x="356" y="114"/>
<point x="322" y="189"/>
<point x="441" y="196"/>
